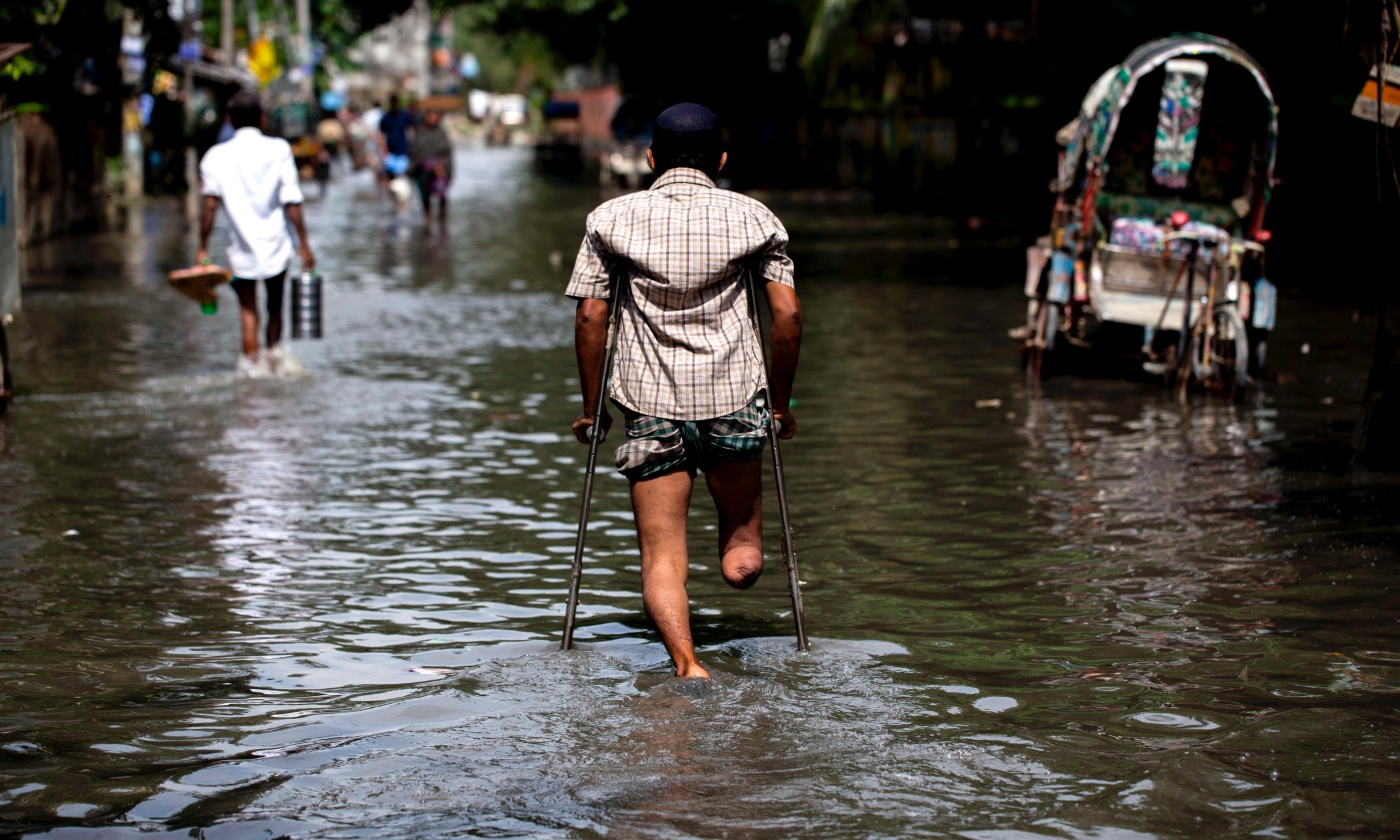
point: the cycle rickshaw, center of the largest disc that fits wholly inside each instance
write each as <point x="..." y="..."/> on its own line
<point x="1157" y="244"/>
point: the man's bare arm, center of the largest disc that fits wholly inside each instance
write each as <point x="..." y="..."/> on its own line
<point x="590" y="345"/>
<point x="785" y="339"/>
<point x="308" y="259"/>
<point x="207" y="210"/>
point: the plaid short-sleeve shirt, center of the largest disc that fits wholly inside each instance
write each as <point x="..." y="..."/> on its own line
<point x="686" y="347"/>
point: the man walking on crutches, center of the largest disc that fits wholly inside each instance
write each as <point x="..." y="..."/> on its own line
<point x="688" y="371"/>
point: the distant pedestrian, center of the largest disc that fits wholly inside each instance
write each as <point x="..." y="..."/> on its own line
<point x="689" y="371"/>
<point x="254" y="178"/>
<point x="368" y="130"/>
<point x="430" y="164"/>
<point x="394" y="128"/>
<point x="355" y="134"/>
<point x="331" y="134"/>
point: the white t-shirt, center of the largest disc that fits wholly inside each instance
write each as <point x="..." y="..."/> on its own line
<point x="371" y="119"/>
<point x="254" y="176"/>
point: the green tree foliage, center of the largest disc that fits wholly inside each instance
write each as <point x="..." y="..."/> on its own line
<point x="828" y="18"/>
<point x="73" y="20"/>
<point x="336" y="24"/>
<point x="673" y="47"/>
<point x="20" y="17"/>
<point x="510" y="61"/>
<point x="19" y="67"/>
<point x="574" y="30"/>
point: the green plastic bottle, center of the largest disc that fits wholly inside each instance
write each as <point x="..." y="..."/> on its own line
<point x="212" y="306"/>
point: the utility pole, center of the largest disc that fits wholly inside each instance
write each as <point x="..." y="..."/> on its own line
<point x="133" y="149"/>
<point x="226" y="31"/>
<point x="254" y="30"/>
<point x="303" y="42"/>
<point x="189" y="52"/>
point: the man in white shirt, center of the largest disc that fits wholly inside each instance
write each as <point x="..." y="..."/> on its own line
<point x="255" y="179"/>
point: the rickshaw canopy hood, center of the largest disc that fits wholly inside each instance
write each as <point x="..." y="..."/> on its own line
<point x="1091" y="134"/>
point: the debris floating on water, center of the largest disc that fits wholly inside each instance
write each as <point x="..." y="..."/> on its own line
<point x="993" y="403"/>
<point x="994" y="704"/>
<point x="70" y="533"/>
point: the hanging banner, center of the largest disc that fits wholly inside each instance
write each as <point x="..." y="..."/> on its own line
<point x="1178" y="122"/>
<point x="1372" y="93"/>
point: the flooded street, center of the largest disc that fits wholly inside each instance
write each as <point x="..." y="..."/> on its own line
<point x="330" y="606"/>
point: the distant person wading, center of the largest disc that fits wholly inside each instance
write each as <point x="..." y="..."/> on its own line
<point x="254" y="178"/>
<point x="394" y="129"/>
<point x="689" y="373"/>
<point x="430" y="164"/>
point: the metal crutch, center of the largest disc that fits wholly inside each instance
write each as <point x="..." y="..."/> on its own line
<point x="789" y="549"/>
<point x="596" y="434"/>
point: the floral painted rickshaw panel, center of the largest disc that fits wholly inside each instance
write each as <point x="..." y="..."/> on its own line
<point x="1178" y="122"/>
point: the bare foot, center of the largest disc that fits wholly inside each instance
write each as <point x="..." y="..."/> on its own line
<point x="695" y="687"/>
<point x="692" y="670"/>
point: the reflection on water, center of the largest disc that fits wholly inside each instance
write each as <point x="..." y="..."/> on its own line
<point x="329" y="606"/>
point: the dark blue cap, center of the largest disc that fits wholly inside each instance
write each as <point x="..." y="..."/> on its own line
<point x="687" y="128"/>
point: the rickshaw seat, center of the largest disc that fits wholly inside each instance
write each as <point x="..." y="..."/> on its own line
<point x="1119" y="205"/>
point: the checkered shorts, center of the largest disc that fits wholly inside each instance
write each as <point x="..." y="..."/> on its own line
<point x="655" y="446"/>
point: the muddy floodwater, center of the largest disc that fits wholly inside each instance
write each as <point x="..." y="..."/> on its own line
<point x="329" y="606"/>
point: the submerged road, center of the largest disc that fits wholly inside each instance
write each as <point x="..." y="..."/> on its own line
<point x="328" y="606"/>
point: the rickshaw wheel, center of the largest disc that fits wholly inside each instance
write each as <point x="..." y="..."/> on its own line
<point x="1229" y="354"/>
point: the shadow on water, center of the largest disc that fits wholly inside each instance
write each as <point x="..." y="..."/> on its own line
<point x="329" y="606"/>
